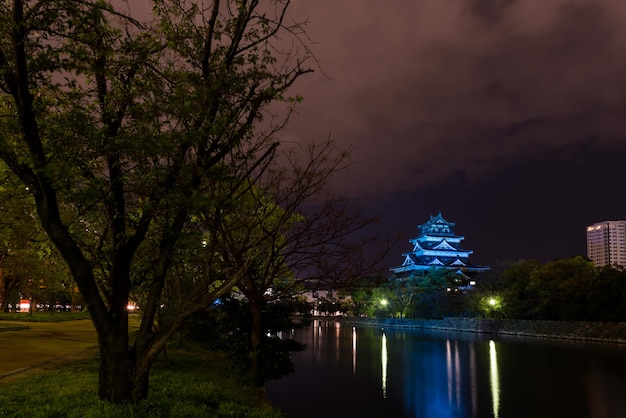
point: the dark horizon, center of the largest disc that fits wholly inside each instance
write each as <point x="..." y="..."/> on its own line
<point x="497" y="228"/>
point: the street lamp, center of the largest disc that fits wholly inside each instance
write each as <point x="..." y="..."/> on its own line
<point x="384" y="307"/>
<point x="492" y="306"/>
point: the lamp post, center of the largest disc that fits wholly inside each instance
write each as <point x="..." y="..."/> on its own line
<point x="492" y="305"/>
<point x="384" y="303"/>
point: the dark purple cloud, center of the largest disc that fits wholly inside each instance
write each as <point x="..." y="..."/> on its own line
<point x="423" y="89"/>
<point x="507" y="115"/>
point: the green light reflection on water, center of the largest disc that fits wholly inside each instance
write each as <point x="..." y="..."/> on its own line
<point x="494" y="378"/>
<point x="383" y="357"/>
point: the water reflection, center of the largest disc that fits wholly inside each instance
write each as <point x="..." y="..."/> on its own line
<point x="362" y="371"/>
<point x="337" y="337"/>
<point x="453" y="363"/>
<point x="353" y="351"/>
<point x="383" y="357"/>
<point x="494" y="378"/>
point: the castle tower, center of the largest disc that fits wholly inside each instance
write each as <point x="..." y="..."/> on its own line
<point x="436" y="246"/>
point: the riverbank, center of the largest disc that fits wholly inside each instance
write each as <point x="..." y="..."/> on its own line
<point x="586" y="331"/>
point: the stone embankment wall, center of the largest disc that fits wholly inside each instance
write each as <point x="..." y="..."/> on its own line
<point x="587" y="331"/>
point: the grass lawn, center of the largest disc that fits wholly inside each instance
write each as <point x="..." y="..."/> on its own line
<point x="195" y="384"/>
<point x="9" y="326"/>
<point x="42" y="316"/>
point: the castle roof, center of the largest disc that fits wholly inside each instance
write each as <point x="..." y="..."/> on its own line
<point x="436" y="246"/>
<point x="436" y="226"/>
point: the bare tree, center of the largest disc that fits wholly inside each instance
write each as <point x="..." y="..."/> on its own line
<point x="290" y="233"/>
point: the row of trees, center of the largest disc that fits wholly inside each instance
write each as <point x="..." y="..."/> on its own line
<point x="430" y="294"/>
<point x="146" y="148"/>
<point x="30" y="268"/>
<point x="570" y="289"/>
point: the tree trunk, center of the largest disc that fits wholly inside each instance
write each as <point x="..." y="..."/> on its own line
<point x="143" y="356"/>
<point x="256" y="335"/>
<point x="4" y="294"/>
<point x="115" y="381"/>
<point x="141" y="385"/>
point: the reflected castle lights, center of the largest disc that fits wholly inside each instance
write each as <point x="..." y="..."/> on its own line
<point x="454" y="373"/>
<point x="319" y="333"/>
<point x="459" y="386"/>
<point x="383" y="360"/>
<point x="353" y="351"/>
<point x="494" y="378"/>
<point x="455" y="386"/>
<point x="337" y="336"/>
<point x="383" y="354"/>
<point x="428" y="373"/>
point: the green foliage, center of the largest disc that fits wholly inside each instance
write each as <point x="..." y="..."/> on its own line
<point x="435" y="293"/>
<point x="513" y="286"/>
<point x="30" y="266"/>
<point x="606" y="298"/>
<point x="569" y="289"/>
<point x="359" y="303"/>
<point x="431" y="294"/>
<point x="492" y="306"/>
<point x="561" y="288"/>
<point x="381" y="303"/>
<point x="227" y="328"/>
<point x="129" y="132"/>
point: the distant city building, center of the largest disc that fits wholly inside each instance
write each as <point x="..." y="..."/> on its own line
<point x="436" y="246"/>
<point x="606" y="243"/>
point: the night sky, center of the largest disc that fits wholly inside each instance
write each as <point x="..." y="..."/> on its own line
<point x="508" y="116"/>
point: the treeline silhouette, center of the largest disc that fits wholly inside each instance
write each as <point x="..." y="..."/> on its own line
<point x="570" y="289"/>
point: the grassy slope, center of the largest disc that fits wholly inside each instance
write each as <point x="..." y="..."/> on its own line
<point x="7" y="319"/>
<point x="195" y="383"/>
<point x="42" y="316"/>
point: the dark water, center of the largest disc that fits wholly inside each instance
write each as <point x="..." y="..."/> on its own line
<point x="367" y="372"/>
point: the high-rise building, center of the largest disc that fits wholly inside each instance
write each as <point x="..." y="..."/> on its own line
<point x="606" y="243"/>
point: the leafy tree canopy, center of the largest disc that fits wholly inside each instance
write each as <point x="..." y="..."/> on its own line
<point x="122" y="128"/>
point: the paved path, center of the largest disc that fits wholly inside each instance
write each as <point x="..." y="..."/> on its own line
<point x="43" y="342"/>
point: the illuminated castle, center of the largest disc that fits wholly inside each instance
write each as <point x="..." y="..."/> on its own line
<point x="437" y="247"/>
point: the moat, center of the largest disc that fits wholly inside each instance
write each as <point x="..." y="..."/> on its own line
<point x="360" y="370"/>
